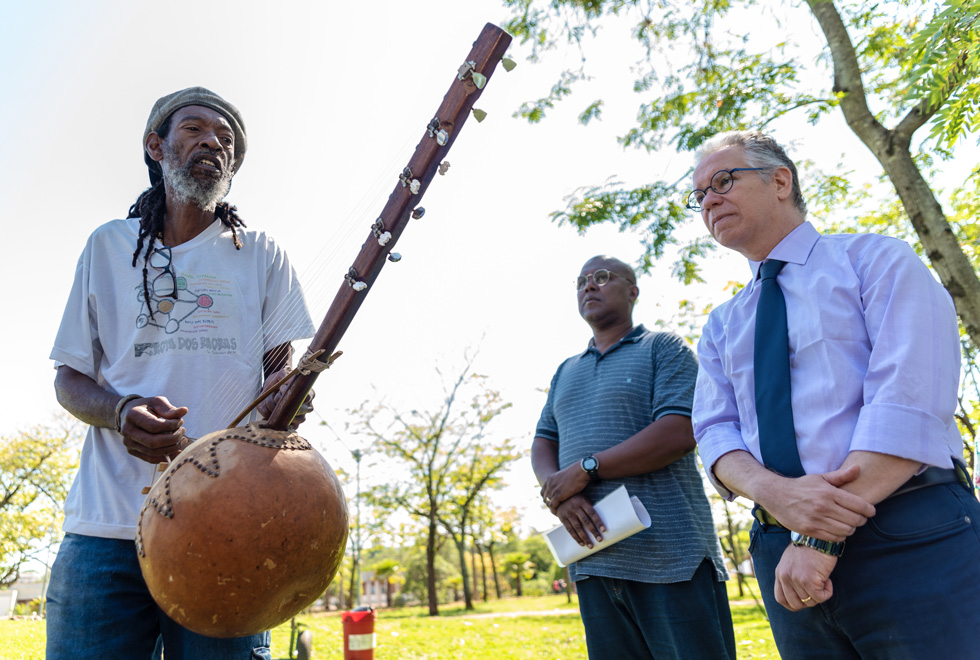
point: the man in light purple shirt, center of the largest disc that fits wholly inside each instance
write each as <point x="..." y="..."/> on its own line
<point x="874" y="371"/>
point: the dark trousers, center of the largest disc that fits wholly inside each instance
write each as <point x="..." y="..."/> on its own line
<point x="678" y="621"/>
<point x="907" y="586"/>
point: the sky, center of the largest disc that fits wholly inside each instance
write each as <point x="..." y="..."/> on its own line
<point x="335" y="96"/>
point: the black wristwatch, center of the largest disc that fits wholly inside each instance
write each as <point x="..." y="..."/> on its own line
<point x="591" y="466"/>
<point x="832" y="548"/>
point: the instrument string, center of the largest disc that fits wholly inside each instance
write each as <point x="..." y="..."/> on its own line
<point x="319" y="279"/>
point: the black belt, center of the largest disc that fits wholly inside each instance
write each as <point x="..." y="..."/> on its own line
<point x="932" y="476"/>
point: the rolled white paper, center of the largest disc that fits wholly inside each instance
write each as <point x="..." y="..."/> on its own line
<point x="623" y="516"/>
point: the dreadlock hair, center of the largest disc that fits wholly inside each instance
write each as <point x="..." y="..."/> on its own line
<point x="150" y="207"/>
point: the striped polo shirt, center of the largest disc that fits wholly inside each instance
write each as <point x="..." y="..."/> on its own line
<point x="599" y="400"/>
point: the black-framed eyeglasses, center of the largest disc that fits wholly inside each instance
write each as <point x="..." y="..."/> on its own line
<point x="721" y="182"/>
<point x="163" y="286"/>
<point x="600" y="277"/>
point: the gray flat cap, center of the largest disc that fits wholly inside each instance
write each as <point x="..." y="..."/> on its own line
<point x="169" y="104"/>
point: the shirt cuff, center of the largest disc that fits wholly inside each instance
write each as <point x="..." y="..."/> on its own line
<point x="547" y="434"/>
<point x="719" y="440"/>
<point x="901" y="431"/>
<point x="671" y="410"/>
<point x="62" y="358"/>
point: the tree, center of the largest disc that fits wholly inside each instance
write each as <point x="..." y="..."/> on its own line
<point x="430" y="450"/>
<point x="476" y="553"/>
<point x="478" y="472"/>
<point x="493" y="528"/>
<point x="417" y="572"/>
<point x="389" y="571"/>
<point x="36" y="468"/>
<point x="355" y="541"/>
<point x="890" y="68"/>
<point x="520" y="567"/>
<point x="946" y="69"/>
<point x="539" y="554"/>
<point x="733" y="534"/>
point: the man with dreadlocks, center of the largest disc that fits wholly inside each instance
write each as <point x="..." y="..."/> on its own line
<point x="176" y="319"/>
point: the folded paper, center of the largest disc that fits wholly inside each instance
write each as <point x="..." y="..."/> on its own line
<point x="622" y="515"/>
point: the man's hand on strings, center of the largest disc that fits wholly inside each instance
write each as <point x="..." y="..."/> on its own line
<point x="153" y="429"/>
<point x="268" y="405"/>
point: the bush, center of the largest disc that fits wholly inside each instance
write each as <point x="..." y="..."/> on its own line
<point x="25" y="609"/>
<point x="539" y="586"/>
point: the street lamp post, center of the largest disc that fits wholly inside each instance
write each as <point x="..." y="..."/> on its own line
<point x="358" y="454"/>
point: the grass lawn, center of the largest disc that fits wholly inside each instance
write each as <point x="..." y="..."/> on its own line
<point x="538" y="628"/>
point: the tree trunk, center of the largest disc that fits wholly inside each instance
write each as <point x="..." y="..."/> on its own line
<point x="463" y="571"/>
<point x="892" y="148"/>
<point x="467" y="583"/>
<point x="353" y="595"/>
<point x="493" y="567"/>
<point x="735" y="550"/>
<point x="430" y="568"/>
<point x="340" y="587"/>
<point x="388" y="586"/>
<point x="473" y="563"/>
<point x="483" y="570"/>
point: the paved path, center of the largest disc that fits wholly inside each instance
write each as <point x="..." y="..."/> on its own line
<point x="493" y="615"/>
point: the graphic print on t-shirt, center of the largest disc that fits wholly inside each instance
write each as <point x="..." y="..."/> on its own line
<point x="189" y="313"/>
<point x="169" y="308"/>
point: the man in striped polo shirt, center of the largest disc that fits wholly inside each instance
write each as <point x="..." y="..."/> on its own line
<point x="620" y="414"/>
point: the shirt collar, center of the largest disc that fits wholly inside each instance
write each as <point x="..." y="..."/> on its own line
<point x="795" y="248"/>
<point x="632" y="336"/>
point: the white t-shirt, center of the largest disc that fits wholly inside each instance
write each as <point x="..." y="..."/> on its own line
<point x="202" y="350"/>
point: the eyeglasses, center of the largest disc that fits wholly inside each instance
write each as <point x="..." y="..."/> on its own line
<point x="161" y="258"/>
<point x="600" y="277"/>
<point x="721" y="182"/>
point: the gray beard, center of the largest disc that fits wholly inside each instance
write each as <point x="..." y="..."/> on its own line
<point x="186" y="189"/>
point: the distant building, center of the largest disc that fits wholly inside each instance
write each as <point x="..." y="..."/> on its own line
<point x="373" y="590"/>
<point x="8" y="599"/>
<point x="29" y="587"/>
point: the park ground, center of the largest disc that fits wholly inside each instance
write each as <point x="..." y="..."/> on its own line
<point x="529" y="628"/>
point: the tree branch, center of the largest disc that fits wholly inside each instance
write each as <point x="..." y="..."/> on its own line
<point x="847" y="71"/>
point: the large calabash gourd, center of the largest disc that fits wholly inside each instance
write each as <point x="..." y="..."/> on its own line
<point x="245" y="529"/>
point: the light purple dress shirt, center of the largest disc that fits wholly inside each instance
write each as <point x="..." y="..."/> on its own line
<point x="874" y="356"/>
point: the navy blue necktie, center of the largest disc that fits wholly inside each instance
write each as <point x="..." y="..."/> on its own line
<point x="773" y="405"/>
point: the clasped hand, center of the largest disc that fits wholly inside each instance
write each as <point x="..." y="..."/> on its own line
<point x="817" y="506"/>
<point x="803" y="578"/>
<point x="562" y="484"/>
<point x="561" y="493"/>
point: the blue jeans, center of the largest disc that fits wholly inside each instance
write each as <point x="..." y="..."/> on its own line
<point x="637" y="620"/>
<point x="906" y="587"/>
<point x="99" y="607"/>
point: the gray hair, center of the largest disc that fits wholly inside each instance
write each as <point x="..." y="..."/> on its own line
<point x="761" y="150"/>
